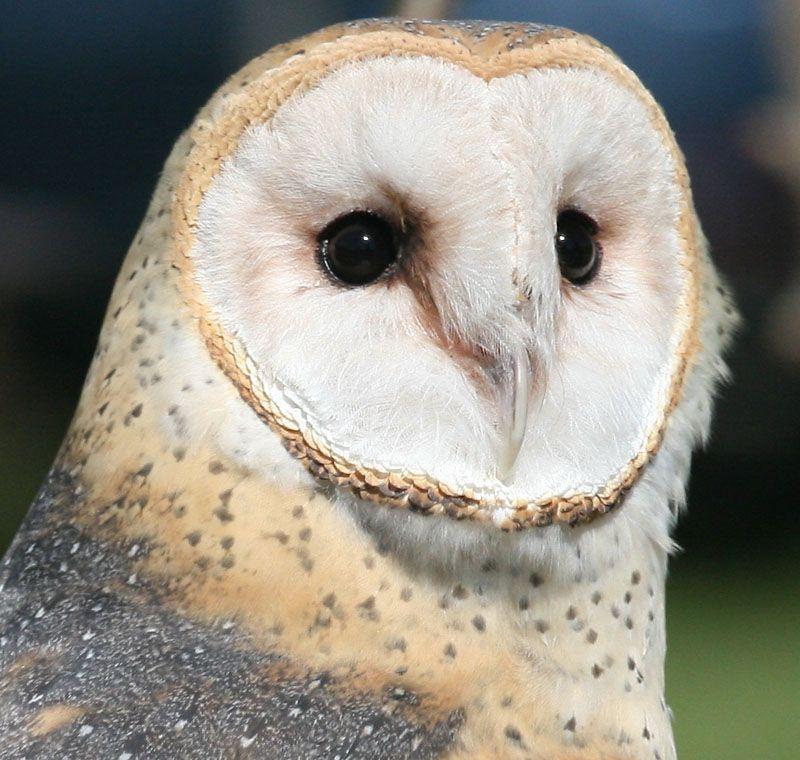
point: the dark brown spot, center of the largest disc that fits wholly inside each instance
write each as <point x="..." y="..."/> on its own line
<point x="305" y="534"/>
<point x="570" y="724"/>
<point x="215" y="467"/>
<point x="459" y="592"/>
<point x="367" y="609"/>
<point x="572" y="613"/>
<point x="397" y="645"/>
<point x="591" y="635"/>
<point x="194" y="537"/>
<point x="479" y="623"/>
<point x="223" y="514"/>
<point x="450" y="651"/>
<point x="636" y="577"/>
<point x="536" y="580"/>
<point x="542" y="626"/>
<point x="145" y="470"/>
<point x="512" y="734"/>
<point x="597" y="671"/>
<point x="226" y="542"/>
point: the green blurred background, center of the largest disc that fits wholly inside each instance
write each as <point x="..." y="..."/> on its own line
<point x="94" y="95"/>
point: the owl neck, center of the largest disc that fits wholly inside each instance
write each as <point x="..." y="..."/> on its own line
<point x="562" y="620"/>
<point x="550" y="640"/>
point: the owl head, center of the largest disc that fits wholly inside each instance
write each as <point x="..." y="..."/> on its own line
<point x="454" y="268"/>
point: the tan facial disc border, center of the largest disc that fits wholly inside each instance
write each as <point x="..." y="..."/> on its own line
<point x="214" y="140"/>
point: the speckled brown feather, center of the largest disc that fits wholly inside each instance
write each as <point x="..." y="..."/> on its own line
<point x="163" y="601"/>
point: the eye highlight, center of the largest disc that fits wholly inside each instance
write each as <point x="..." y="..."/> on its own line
<point x="358" y="248"/>
<point x="577" y="247"/>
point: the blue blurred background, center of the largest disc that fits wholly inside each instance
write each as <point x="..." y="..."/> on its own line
<point x="94" y="94"/>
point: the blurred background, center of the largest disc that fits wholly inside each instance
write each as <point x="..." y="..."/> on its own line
<point x="95" y="93"/>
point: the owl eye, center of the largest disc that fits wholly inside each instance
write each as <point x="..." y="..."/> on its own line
<point x="358" y="248"/>
<point x="578" y="249"/>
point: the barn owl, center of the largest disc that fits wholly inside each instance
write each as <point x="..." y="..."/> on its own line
<point x="388" y="423"/>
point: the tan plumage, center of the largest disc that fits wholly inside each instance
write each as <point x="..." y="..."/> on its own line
<point x="200" y="600"/>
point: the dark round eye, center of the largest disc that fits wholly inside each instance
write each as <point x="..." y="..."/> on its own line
<point x="577" y="248"/>
<point x="358" y="248"/>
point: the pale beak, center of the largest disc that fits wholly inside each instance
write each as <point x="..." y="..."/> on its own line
<point x="514" y="397"/>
